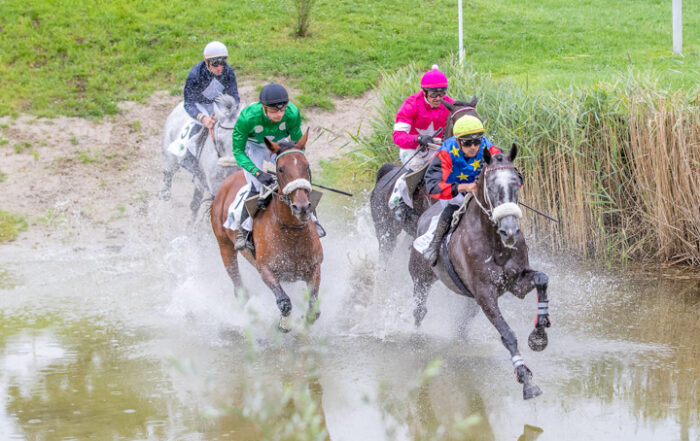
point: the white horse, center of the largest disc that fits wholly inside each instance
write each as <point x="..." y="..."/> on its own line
<point x="213" y="171"/>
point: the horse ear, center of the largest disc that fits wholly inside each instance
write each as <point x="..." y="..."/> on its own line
<point x="487" y="156"/>
<point x="448" y="104"/>
<point x="473" y="102"/>
<point x="301" y="144"/>
<point x="513" y="152"/>
<point x="272" y="145"/>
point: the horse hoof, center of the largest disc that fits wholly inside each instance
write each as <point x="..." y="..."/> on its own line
<point x="531" y="391"/>
<point x="285" y="306"/>
<point x="283" y="325"/>
<point x="311" y="317"/>
<point x="538" y="339"/>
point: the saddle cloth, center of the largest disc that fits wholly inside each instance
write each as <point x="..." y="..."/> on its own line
<point x="236" y="209"/>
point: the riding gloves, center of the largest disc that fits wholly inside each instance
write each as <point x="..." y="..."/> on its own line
<point x="266" y="179"/>
<point x="424" y="140"/>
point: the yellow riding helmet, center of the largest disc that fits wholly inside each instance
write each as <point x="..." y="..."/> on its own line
<point x="467" y="125"/>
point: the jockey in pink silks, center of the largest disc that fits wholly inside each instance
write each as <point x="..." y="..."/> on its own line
<point x="420" y="115"/>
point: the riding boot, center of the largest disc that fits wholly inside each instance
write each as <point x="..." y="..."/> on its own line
<point x="401" y="211"/>
<point x="244" y="236"/>
<point x="433" y="251"/>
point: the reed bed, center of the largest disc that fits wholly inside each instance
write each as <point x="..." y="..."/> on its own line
<point x="618" y="162"/>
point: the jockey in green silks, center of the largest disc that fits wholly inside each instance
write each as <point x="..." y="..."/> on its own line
<point x="274" y="118"/>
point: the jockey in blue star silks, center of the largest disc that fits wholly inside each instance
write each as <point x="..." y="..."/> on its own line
<point x="207" y="80"/>
<point x="453" y="172"/>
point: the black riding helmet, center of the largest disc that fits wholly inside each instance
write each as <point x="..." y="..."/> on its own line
<point x="272" y="94"/>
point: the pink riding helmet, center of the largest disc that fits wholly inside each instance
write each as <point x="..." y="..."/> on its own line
<point x="433" y="79"/>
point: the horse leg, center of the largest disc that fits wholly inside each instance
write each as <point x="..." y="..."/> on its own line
<point x="423" y="278"/>
<point x="523" y="374"/>
<point x="196" y="202"/>
<point x="387" y="241"/>
<point x="538" y="337"/>
<point x="169" y="170"/>
<point x="283" y="302"/>
<point x="230" y="258"/>
<point x="312" y="285"/>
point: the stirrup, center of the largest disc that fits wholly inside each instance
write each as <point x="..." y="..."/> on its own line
<point x="431" y="257"/>
<point x="401" y="212"/>
<point x="241" y="239"/>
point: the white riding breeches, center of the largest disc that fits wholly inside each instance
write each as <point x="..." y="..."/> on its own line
<point x="417" y="161"/>
<point x="258" y="153"/>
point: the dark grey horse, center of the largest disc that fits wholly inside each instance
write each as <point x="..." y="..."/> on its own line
<point x="386" y="227"/>
<point x="214" y="153"/>
<point x="488" y="257"/>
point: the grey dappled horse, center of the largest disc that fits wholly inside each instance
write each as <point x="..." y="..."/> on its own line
<point x="212" y="172"/>
<point x="489" y="257"/>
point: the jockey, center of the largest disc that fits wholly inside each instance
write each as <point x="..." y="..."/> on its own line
<point x="420" y="115"/>
<point x="273" y="117"/>
<point x="207" y="80"/>
<point x="453" y="171"/>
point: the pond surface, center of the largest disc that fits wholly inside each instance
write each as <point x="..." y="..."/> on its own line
<point x="144" y="340"/>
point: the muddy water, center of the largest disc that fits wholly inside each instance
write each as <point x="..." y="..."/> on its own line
<point x="143" y="340"/>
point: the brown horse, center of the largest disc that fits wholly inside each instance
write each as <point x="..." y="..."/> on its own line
<point x="386" y="227"/>
<point x="488" y="256"/>
<point x="287" y="246"/>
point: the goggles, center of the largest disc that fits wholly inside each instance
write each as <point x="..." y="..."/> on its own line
<point x="277" y="107"/>
<point x="436" y="93"/>
<point x="467" y="142"/>
<point x="217" y="61"/>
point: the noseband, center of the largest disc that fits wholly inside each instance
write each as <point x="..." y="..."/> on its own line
<point x="297" y="184"/>
<point x="502" y="210"/>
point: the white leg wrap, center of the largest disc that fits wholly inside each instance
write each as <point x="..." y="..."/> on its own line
<point x="517" y="361"/>
<point x="543" y="308"/>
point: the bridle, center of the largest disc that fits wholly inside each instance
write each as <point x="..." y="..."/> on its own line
<point x="283" y="194"/>
<point x="495" y="214"/>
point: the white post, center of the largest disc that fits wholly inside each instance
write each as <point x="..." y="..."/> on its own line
<point x="677" y="27"/>
<point x="461" y="44"/>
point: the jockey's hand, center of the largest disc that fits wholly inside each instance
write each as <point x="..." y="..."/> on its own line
<point x="265" y="179"/>
<point x="209" y="121"/>
<point x="424" y="140"/>
<point x="464" y="188"/>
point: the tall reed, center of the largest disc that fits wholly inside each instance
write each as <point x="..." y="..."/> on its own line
<point x="618" y="163"/>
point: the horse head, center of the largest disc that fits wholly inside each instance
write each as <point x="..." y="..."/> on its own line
<point x="226" y="110"/>
<point x="293" y="175"/>
<point x="457" y="110"/>
<point x="498" y="193"/>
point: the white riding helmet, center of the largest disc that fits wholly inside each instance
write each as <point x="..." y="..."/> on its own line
<point x="215" y="49"/>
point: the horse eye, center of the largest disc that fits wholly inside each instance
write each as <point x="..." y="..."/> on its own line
<point x="282" y="170"/>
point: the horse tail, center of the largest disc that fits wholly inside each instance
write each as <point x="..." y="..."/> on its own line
<point x="384" y="169"/>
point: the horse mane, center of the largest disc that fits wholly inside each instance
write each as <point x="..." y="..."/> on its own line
<point x="227" y="104"/>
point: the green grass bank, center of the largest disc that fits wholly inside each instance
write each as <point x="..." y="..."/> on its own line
<point x="618" y="162"/>
<point x="80" y="57"/>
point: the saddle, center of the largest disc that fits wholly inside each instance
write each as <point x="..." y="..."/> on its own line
<point x="414" y="179"/>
